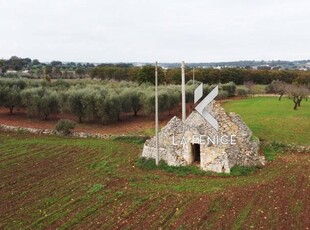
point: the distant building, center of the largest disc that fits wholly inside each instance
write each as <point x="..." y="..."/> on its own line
<point x="276" y="67"/>
<point x="11" y="71"/>
<point x="264" y="67"/>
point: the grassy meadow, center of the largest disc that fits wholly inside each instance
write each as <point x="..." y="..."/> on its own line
<point x="274" y="120"/>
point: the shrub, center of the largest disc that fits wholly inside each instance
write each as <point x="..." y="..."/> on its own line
<point x="271" y="150"/>
<point x="270" y="88"/>
<point x="65" y="126"/>
<point x="19" y="82"/>
<point x="195" y="82"/>
<point x="230" y="88"/>
<point x="243" y="170"/>
<point x="207" y="89"/>
<point x="222" y="95"/>
<point x="242" y="92"/>
<point x="132" y="139"/>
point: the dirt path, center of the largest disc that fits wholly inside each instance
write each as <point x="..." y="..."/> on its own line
<point x="128" y="124"/>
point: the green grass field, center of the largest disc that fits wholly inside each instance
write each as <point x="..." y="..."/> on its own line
<point x="274" y="120"/>
<point x="257" y="89"/>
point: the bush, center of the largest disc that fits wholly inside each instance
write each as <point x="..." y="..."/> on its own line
<point x="271" y="150"/>
<point x="191" y="82"/>
<point x="230" y="88"/>
<point x="242" y="92"/>
<point x="65" y="126"/>
<point x="243" y="170"/>
<point x="132" y="139"/>
<point x="222" y="95"/>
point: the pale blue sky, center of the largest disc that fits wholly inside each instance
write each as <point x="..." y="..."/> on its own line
<point x="149" y="30"/>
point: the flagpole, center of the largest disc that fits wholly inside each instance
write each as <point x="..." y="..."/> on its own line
<point x="156" y="111"/>
<point x="183" y="93"/>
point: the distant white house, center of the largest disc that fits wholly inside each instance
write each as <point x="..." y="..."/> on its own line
<point x="11" y="71"/>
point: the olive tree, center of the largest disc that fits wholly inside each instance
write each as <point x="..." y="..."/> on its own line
<point x="132" y="100"/>
<point x="47" y="104"/>
<point x="230" y="88"/>
<point x="167" y="100"/>
<point x="89" y="100"/>
<point x="149" y="102"/>
<point x="298" y="93"/>
<point x="109" y="107"/>
<point x="75" y="104"/>
<point x="173" y="98"/>
<point x="31" y="98"/>
<point x="40" y="101"/>
<point x="10" y="97"/>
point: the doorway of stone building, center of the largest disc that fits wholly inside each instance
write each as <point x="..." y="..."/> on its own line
<point x="196" y="153"/>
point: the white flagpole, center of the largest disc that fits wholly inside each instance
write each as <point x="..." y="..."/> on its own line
<point x="183" y="93"/>
<point x="156" y="112"/>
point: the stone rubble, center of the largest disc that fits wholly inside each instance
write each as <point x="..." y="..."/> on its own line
<point x="53" y="132"/>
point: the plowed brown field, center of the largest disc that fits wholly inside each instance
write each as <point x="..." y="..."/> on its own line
<point x="54" y="182"/>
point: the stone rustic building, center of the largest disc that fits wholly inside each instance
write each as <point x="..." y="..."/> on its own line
<point x="196" y="142"/>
